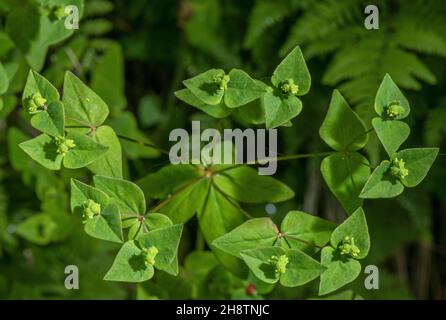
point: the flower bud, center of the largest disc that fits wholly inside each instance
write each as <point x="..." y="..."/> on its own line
<point x="222" y="81"/>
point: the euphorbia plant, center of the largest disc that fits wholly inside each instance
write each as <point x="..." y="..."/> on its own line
<point x="305" y="247"/>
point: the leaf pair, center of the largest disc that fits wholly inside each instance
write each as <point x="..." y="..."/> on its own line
<point x="211" y="92"/>
<point x="342" y="268"/>
<point x="345" y="171"/>
<point x="280" y="107"/>
<point x="382" y="184"/>
<point x="129" y="265"/>
<point x="390" y="130"/>
<point x="299" y="230"/>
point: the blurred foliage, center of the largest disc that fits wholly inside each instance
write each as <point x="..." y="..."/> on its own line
<point x="135" y="54"/>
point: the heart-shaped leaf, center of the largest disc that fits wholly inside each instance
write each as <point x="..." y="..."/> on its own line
<point x="219" y="110"/>
<point x="127" y="195"/>
<point x="342" y="128"/>
<point x="83" y="107"/>
<point x="339" y="271"/>
<point x="106" y="225"/>
<point x="81" y="192"/>
<point x="205" y="87"/>
<point x="279" y="109"/>
<point x="51" y="120"/>
<point x="382" y="184"/>
<point x="293" y="67"/>
<point x="43" y="150"/>
<point x="418" y="161"/>
<point x="85" y="152"/>
<point x="345" y="175"/>
<point x="129" y="265"/>
<point x="391" y="133"/>
<point x="166" y="240"/>
<point x="354" y="227"/>
<point x="387" y="94"/>
<point x="110" y="164"/>
<point x="242" y="89"/>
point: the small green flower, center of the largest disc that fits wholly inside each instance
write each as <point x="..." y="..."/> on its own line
<point x="35" y="103"/>
<point x="289" y="87"/>
<point x="279" y="263"/>
<point x="222" y="81"/>
<point x="149" y="255"/>
<point x="91" y="209"/>
<point x="348" y="247"/>
<point x="58" y="12"/>
<point x="398" y="169"/>
<point x="394" y="109"/>
<point x="64" y="145"/>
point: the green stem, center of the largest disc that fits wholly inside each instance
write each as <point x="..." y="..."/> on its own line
<point x="142" y="143"/>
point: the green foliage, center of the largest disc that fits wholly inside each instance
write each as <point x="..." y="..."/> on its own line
<point x="203" y="226"/>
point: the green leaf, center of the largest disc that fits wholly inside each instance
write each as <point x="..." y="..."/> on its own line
<point x="391" y="133"/>
<point x="258" y="262"/>
<point x="39" y="229"/>
<point x="150" y="222"/>
<point x="204" y="87"/>
<point x="106" y="225"/>
<point x="81" y="192"/>
<point x="246" y="185"/>
<point x="252" y="113"/>
<point x="382" y="184"/>
<point x="166" y="240"/>
<point x="279" y="109"/>
<point x="50" y="121"/>
<point x="254" y="233"/>
<point x="4" y="80"/>
<point x="300" y="269"/>
<point x="36" y="83"/>
<point x="187" y="202"/>
<point x="219" y="110"/>
<point x="242" y="89"/>
<point x="389" y="92"/>
<point x="342" y="128"/>
<point x="345" y="175"/>
<point x="293" y="66"/>
<point x="43" y="150"/>
<point x="418" y="161"/>
<point x="217" y="216"/>
<point x="85" y="152"/>
<point x="168" y="179"/>
<point x="127" y="195"/>
<point x="110" y="164"/>
<point x="83" y="107"/>
<point x="304" y="231"/>
<point x="108" y="77"/>
<point x="355" y="227"/>
<point x="339" y="271"/>
<point x="129" y="266"/>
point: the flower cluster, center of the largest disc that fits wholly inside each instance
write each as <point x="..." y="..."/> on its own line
<point x="348" y="247"/>
<point x="279" y="263"/>
<point x="398" y="169"/>
<point x="149" y="255"/>
<point x="91" y="209"/>
<point x="222" y="81"/>
<point x="35" y="103"/>
<point x="289" y="87"/>
<point x="64" y="145"/>
<point x="394" y="109"/>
